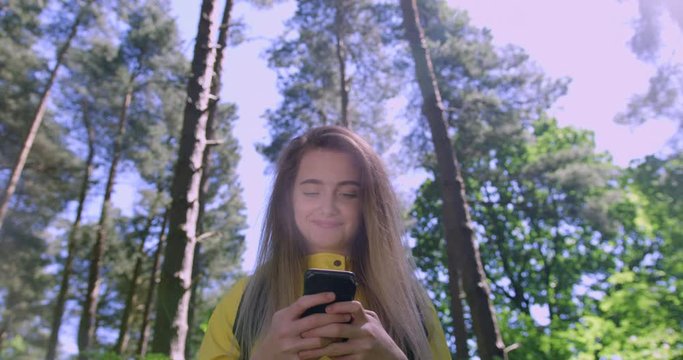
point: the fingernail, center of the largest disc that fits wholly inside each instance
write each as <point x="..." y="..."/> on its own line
<point x="330" y="295"/>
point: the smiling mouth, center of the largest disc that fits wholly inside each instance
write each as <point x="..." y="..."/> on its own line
<point x="327" y="224"/>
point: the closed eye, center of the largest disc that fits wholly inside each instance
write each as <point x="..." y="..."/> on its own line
<point x="311" y="194"/>
<point x="349" y="195"/>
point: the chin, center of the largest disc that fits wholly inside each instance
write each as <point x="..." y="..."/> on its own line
<point x="329" y="247"/>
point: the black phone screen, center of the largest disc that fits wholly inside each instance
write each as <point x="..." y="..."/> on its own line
<point x="341" y="283"/>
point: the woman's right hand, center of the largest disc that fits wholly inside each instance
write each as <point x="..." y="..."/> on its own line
<point x="283" y="340"/>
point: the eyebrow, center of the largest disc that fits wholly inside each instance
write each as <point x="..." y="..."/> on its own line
<point x="320" y="182"/>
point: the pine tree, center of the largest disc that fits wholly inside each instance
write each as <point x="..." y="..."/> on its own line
<point x="333" y="69"/>
<point x="461" y="247"/>
<point x="39" y="113"/>
<point x="138" y="64"/>
<point x="48" y="180"/>
<point x="170" y="328"/>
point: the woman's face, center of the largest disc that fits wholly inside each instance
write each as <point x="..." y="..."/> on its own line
<point x="326" y="198"/>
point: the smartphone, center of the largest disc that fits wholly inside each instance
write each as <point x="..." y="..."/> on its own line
<point x="341" y="283"/>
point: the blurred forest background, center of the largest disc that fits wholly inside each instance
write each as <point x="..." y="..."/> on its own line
<point x="92" y="89"/>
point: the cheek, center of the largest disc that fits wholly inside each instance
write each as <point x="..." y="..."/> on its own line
<point x="301" y="206"/>
<point x="354" y="214"/>
<point x="302" y="209"/>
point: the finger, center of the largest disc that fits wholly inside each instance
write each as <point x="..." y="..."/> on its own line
<point x="318" y="320"/>
<point x="335" y="330"/>
<point x="346" y="357"/>
<point x="355" y="308"/>
<point x="301" y="344"/>
<point x="334" y="349"/>
<point x="302" y="304"/>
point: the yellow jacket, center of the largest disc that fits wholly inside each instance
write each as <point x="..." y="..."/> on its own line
<point x="220" y="343"/>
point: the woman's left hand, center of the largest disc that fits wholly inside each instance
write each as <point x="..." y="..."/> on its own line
<point x="367" y="339"/>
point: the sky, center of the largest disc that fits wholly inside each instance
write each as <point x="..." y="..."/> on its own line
<point x="585" y="40"/>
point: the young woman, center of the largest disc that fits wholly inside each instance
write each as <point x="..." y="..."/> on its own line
<point x="332" y="207"/>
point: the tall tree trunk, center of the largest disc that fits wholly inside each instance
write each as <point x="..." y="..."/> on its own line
<point x="339" y="28"/>
<point x="170" y="326"/>
<point x="153" y="280"/>
<point x="461" y="246"/>
<point x="71" y="244"/>
<point x="216" y="85"/>
<point x="87" y="326"/>
<point x="131" y="298"/>
<point x="458" y="313"/>
<point x="37" y="118"/>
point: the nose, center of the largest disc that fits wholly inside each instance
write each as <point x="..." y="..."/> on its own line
<point x="328" y="205"/>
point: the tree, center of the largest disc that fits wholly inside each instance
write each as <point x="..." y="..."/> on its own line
<point x="491" y="97"/>
<point x="39" y="113"/>
<point x="131" y="296"/>
<point x="46" y="187"/>
<point x="459" y="234"/>
<point x="137" y="64"/>
<point x="647" y="281"/>
<point x="333" y="69"/>
<point x="151" y="287"/>
<point x="170" y="328"/>
<point x="432" y="260"/>
<point x="71" y="243"/>
<point x="634" y="321"/>
<point x="222" y="224"/>
<point x="215" y="90"/>
<point x="86" y="329"/>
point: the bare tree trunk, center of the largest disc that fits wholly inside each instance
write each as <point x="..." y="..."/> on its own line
<point x="71" y="244"/>
<point x="341" y="58"/>
<point x="37" y="119"/>
<point x="460" y="243"/>
<point x="458" y="313"/>
<point x="131" y="298"/>
<point x="216" y="85"/>
<point x="170" y="326"/>
<point x="87" y="326"/>
<point x="153" y="280"/>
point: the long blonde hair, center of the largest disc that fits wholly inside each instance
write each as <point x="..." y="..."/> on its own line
<point x="384" y="271"/>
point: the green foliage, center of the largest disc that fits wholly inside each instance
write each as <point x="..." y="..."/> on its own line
<point x="560" y="228"/>
<point x="308" y="69"/>
<point x="110" y="355"/>
<point x="634" y="322"/>
<point x="16" y="348"/>
<point x="531" y="340"/>
<point x="46" y="186"/>
<point x="136" y="47"/>
<point x="539" y="194"/>
<point x="530" y="214"/>
<point x="156" y="357"/>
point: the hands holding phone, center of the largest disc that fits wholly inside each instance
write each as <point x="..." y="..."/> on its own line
<point x="366" y="336"/>
<point x="315" y="324"/>
<point x="294" y="337"/>
<point x="284" y="341"/>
